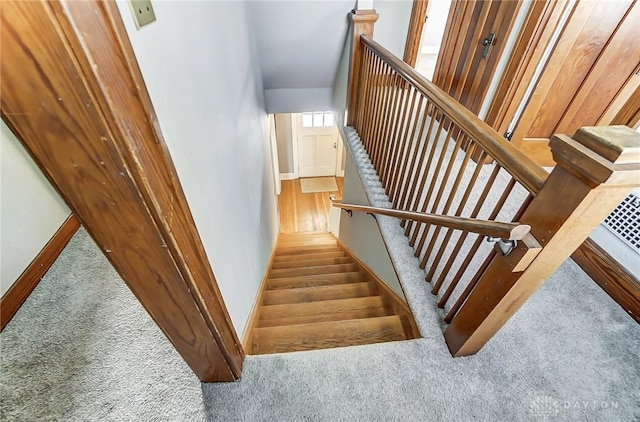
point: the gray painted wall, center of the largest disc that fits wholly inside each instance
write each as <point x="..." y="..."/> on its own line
<point x="299" y="46"/>
<point x="31" y="210"/>
<point x="393" y="24"/>
<point x="361" y="233"/>
<point x="201" y="67"/>
<point x="285" y="143"/>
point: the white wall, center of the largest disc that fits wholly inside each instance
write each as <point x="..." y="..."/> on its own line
<point x="201" y="68"/>
<point x="299" y="47"/>
<point x="393" y="24"/>
<point x="298" y="100"/>
<point x="437" y="13"/>
<point x="361" y="233"/>
<point x="31" y="210"/>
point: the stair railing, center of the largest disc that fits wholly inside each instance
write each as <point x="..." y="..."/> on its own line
<point x="506" y="235"/>
<point x="434" y="156"/>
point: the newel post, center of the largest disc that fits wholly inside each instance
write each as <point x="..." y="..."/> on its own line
<point x="595" y="170"/>
<point x="363" y="22"/>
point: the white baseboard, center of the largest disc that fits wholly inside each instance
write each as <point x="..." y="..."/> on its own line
<point x="288" y="176"/>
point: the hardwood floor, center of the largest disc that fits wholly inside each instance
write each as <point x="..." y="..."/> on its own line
<point x="304" y="212"/>
<point x="317" y="296"/>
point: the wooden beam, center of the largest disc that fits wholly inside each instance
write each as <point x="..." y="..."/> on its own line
<point x="73" y="94"/>
<point x="363" y="22"/>
<point x="414" y="34"/>
<point x="612" y="277"/>
<point x="582" y="190"/>
<point x="13" y="299"/>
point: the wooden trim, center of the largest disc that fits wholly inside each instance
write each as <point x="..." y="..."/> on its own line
<point x="252" y="320"/>
<point x="74" y="86"/>
<point x="13" y="298"/>
<point x="525" y="55"/>
<point x="625" y="107"/>
<point x="510" y="231"/>
<point x="612" y="277"/>
<point x="414" y="34"/>
<point x="399" y="305"/>
<point x="521" y="167"/>
<point x="539" y="151"/>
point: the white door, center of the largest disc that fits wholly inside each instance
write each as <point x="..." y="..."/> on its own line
<point x="317" y="144"/>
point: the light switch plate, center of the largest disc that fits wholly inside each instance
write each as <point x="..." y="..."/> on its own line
<point x="142" y="12"/>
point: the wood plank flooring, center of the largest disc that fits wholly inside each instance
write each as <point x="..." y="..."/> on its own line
<point x="318" y="297"/>
<point x="304" y="212"/>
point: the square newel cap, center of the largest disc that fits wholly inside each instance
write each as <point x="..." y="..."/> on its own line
<point x="617" y="144"/>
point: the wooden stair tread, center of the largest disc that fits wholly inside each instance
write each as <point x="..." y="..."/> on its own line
<point x="328" y="310"/>
<point x="298" y="250"/>
<point x="302" y="257"/>
<point x="326" y="335"/>
<point x="316" y="280"/>
<point x="311" y="263"/>
<point x="322" y="269"/>
<point x="319" y="293"/>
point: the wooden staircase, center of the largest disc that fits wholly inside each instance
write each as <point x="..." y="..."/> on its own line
<point x="318" y="296"/>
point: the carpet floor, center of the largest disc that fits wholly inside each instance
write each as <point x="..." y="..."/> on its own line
<point x="83" y="349"/>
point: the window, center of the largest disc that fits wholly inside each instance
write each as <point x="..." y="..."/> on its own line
<point x="317" y="119"/>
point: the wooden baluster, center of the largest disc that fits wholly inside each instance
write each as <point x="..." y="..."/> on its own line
<point x="472" y="284"/>
<point x="401" y="115"/>
<point x="458" y="212"/>
<point x="447" y="205"/>
<point x="433" y="143"/>
<point x="434" y="179"/>
<point x="417" y="164"/>
<point x="407" y="120"/>
<point x="595" y="170"/>
<point x="373" y="86"/>
<point x="397" y="185"/>
<point x="382" y="110"/>
<point x="476" y="245"/>
<point x="365" y="73"/>
<point x="463" y="236"/>
<point x="363" y="23"/>
<point x="370" y="126"/>
<point x="390" y="109"/>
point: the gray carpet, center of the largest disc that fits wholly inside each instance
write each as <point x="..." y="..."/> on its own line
<point x="82" y="349"/>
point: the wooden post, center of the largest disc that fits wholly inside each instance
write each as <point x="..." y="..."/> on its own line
<point x="363" y="22"/>
<point x="73" y="94"/>
<point x="595" y="171"/>
<point x="414" y="34"/>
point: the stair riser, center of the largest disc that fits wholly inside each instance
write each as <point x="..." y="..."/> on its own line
<point x="327" y="269"/>
<point x="315" y="294"/>
<point x="303" y="257"/>
<point x="313" y="281"/>
<point x="339" y="307"/>
<point x="311" y="263"/>
<point x="306" y="250"/>
<point x="327" y="335"/>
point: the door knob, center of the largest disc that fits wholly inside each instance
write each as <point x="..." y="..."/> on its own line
<point x="487" y="43"/>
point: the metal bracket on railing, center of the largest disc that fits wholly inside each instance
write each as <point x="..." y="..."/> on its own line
<point x="373" y="215"/>
<point x="505" y="245"/>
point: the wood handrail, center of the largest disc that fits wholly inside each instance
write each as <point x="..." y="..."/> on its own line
<point x="518" y="164"/>
<point x="508" y="231"/>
